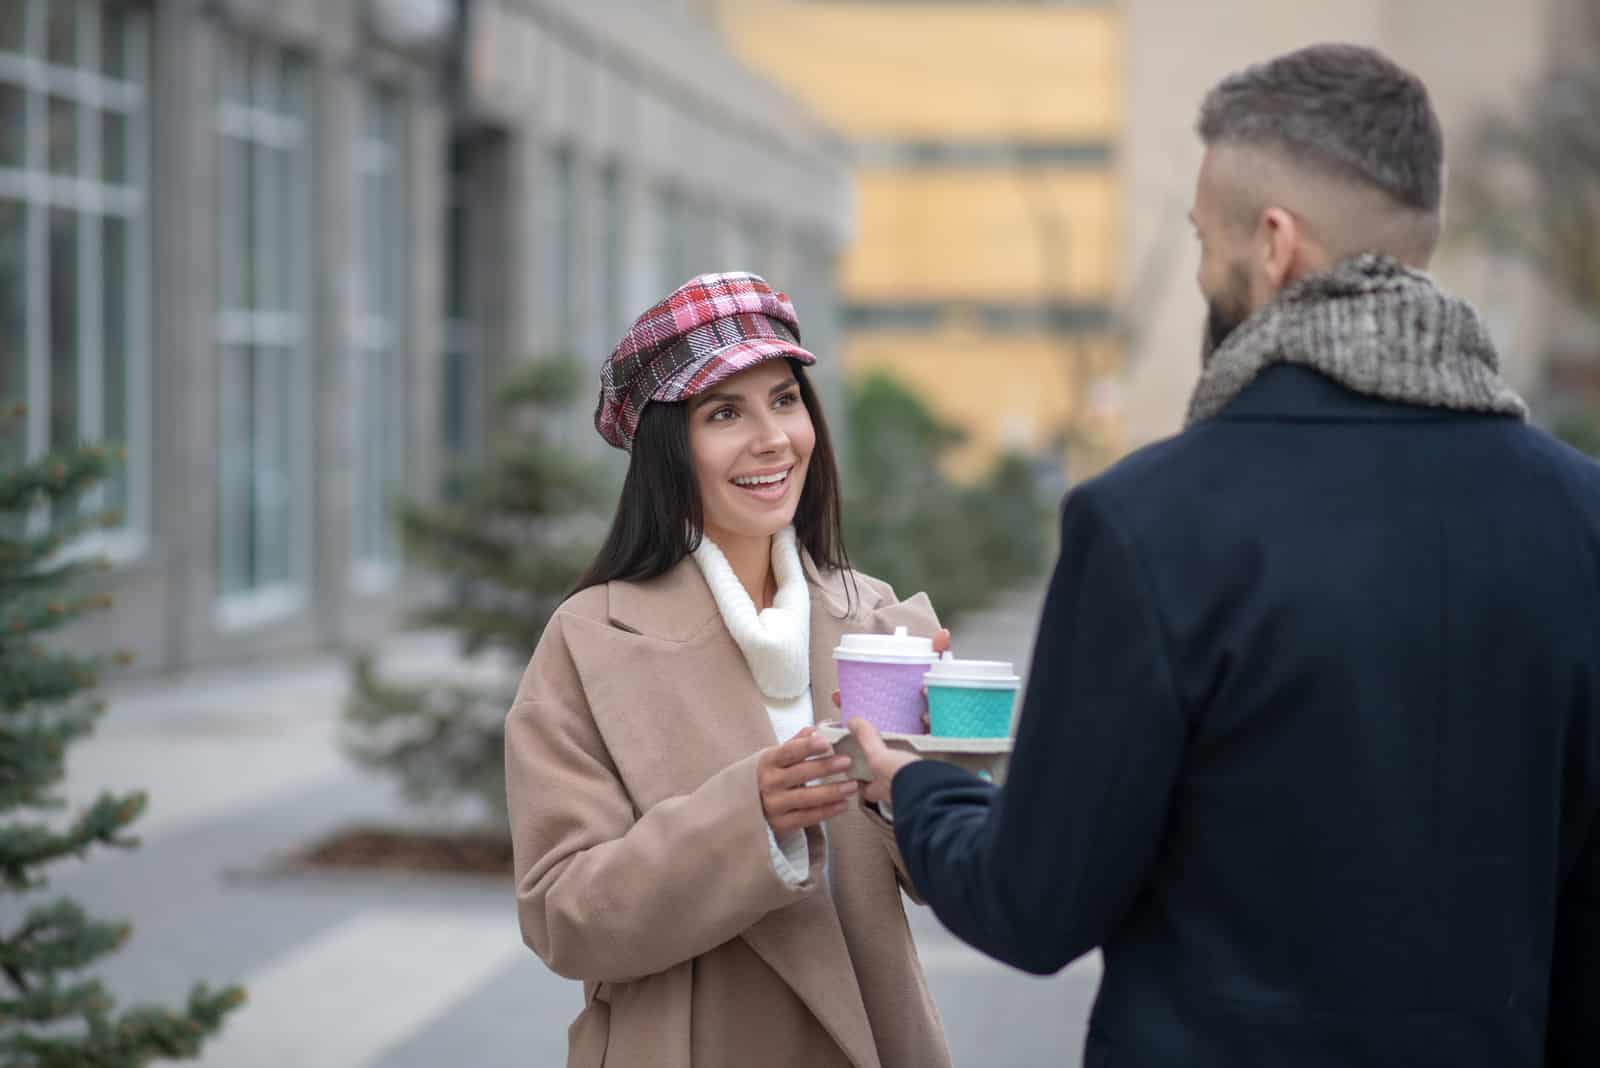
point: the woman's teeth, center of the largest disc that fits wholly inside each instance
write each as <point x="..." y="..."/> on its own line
<point x="761" y="480"/>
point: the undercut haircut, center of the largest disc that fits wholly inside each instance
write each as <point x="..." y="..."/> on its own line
<point x="1343" y="109"/>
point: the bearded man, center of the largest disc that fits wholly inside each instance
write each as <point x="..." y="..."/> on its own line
<point x="1310" y="746"/>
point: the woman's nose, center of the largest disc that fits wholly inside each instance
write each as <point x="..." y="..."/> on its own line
<point x="770" y="435"/>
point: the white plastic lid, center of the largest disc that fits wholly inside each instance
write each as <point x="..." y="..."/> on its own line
<point x="897" y="648"/>
<point x="979" y="674"/>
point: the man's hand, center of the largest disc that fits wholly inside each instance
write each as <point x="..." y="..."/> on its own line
<point x="782" y="773"/>
<point x="883" y="761"/>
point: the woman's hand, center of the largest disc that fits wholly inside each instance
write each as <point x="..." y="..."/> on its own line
<point x="782" y="773"/>
<point x="883" y="761"/>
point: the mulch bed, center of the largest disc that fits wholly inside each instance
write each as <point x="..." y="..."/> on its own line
<point x="429" y="852"/>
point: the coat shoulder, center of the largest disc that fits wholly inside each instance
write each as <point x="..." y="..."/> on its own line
<point x="593" y="603"/>
<point x="880" y="591"/>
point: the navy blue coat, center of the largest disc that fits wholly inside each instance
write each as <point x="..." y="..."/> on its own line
<point x="1310" y="747"/>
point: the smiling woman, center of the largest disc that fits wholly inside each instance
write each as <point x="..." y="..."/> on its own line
<point x="683" y="842"/>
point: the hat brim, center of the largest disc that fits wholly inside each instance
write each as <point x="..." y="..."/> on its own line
<point x="719" y="365"/>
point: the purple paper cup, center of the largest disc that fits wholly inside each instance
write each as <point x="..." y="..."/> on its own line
<point x="880" y="680"/>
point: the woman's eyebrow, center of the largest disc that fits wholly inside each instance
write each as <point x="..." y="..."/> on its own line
<point x="706" y="398"/>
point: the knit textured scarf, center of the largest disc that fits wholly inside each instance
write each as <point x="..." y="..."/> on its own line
<point x="776" y="642"/>
<point x="1376" y="327"/>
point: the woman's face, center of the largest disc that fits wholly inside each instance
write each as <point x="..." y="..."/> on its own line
<point x="751" y="439"/>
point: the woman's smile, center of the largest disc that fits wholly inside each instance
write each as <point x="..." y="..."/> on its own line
<point x="770" y="485"/>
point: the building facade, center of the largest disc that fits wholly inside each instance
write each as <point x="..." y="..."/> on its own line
<point x="986" y="143"/>
<point x="1025" y="169"/>
<point x="281" y="250"/>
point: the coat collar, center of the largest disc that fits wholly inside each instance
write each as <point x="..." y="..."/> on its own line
<point x="678" y="605"/>
<point x="1287" y="392"/>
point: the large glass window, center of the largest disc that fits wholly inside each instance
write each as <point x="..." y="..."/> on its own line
<point x="380" y="365"/>
<point x="561" y="206"/>
<point x="262" y="329"/>
<point x="675" y="255"/>
<point x="73" y="234"/>
<point x="460" y="327"/>
<point x="612" y="275"/>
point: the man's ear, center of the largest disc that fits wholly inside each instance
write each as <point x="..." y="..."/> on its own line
<point x="1280" y="244"/>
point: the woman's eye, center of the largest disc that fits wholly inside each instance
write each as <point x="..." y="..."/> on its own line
<point x="786" y="400"/>
<point x="723" y="414"/>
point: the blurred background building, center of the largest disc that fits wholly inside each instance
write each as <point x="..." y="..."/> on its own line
<point x="1024" y="170"/>
<point x="985" y="140"/>
<point x="278" y="248"/>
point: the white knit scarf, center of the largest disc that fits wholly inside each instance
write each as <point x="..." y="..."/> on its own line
<point x="776" y="642"/>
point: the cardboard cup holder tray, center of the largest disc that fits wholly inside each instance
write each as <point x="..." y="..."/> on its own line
<point x="984" y="757"/>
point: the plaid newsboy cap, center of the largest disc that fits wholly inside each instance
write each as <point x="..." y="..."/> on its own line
<point x="709" y="329"/>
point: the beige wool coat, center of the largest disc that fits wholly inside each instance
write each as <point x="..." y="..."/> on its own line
<point x="643" y="866"/>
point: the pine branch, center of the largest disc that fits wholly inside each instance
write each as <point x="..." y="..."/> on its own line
<point x="53" y="1002"/>
<point x="33" y="754"/>
<point x="24" y="847"/>
<point x="55" y="938"/>
<point x="34" y="674"/>
<point x="60" y="475"/>
<point x="439" y="740"/>
<point x="39" y="612"/>
<point x="131" y="1040"/>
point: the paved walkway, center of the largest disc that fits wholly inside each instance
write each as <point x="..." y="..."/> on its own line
<point x="383" y="971"/>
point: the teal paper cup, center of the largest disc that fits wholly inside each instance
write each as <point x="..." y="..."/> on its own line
<point x="971" y="698"/>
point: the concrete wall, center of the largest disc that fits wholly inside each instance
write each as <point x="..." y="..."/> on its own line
<point x="627" y="88"/>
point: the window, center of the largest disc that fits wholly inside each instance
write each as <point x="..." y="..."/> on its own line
<point x="558" y="240"/>
<point x="262" y="330"/>
<point x="73" y="237"/>
<point x="612" y="278"/>
<point x="461" y="355"/>
<point x="380" y="372"/>
<point x="977" y="154"/>
<point x="1034" y="317"/>
<point x="674" y="255"/>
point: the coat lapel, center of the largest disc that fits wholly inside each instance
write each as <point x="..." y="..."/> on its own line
<point x="805" y="943"/>
<point x="676" y="703"/>
<point x="828" y="622"/>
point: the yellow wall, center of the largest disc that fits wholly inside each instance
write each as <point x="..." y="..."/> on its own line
<point x="973" y="74"/>
<point x="983" y="235"/>
<point x="1005" y="392"/>
<point x="939" y="69"/>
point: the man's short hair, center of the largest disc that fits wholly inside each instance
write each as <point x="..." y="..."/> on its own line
<point x="1346" y="109"/>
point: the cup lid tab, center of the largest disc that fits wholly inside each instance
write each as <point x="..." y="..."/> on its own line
<point x="900" y="643"/>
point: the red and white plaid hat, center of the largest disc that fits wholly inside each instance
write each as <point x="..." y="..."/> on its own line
<point x="711" y="328"/>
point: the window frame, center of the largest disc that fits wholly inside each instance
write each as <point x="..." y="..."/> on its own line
<point x="94" y="200"/>
<point x="379" y="335"/>
<point x="242" y="325"/>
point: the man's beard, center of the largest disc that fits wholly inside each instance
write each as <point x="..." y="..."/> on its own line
<point x="1225" y="313"/>
<point x="1219" y="324"/>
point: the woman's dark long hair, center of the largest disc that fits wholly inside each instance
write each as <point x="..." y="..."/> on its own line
<point x="659" y="520"/>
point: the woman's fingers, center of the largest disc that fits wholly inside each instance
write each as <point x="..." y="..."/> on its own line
<point x="803" y="772"/>
<point x="805" y="744"/>
<point x="786" y="801"/>
<point x="800" y="819"/>
<point x="803" y="797"/>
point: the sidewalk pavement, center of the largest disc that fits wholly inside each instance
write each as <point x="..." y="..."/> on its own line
<point x="393" y="971"/>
